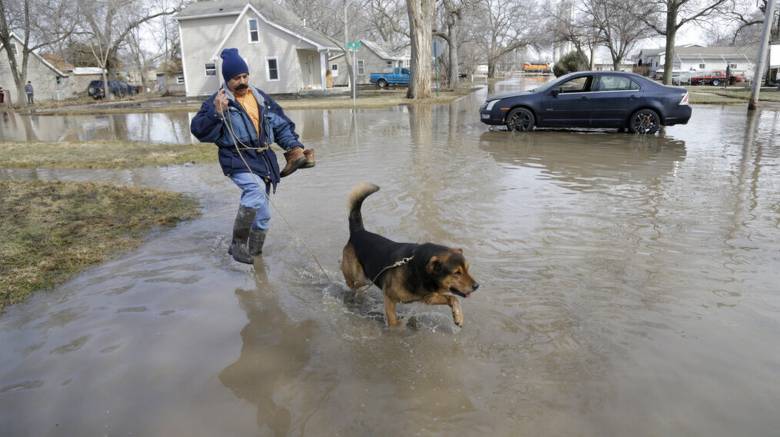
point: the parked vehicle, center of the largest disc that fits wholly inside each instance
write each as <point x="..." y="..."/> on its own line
<point x="536" y="68"/>
<point x="715" y="78"/>
<point x="117" y="88"/>
<point x="591" y="99"/>
<point x="398" y="76"/>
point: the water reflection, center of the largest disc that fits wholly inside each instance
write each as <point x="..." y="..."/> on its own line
<point x="587" y="161"/>
<point x="274" y="351"/>
<point x="144" y="127"/>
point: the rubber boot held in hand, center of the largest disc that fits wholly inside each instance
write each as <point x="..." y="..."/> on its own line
<point x="310" y="161"/>
<point x="295" y="160"/>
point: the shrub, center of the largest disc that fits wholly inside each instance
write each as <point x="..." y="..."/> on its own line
<point x="571" y="62"/>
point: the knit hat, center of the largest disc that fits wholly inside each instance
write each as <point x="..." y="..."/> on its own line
<point x="232" y="64"/>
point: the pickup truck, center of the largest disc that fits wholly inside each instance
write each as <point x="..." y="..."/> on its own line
<point x="398" y="76"/>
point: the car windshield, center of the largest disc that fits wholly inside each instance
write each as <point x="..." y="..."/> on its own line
<point x="552" y="83"/>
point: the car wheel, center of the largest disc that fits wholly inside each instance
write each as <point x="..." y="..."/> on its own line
<point x="715" y="82"/>
<point x="645" y="121"/>
<point x="521" y="120"/>
<point x="382" y="83"/>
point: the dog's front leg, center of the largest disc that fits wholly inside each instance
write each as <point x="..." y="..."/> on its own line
<point x="392" y="317"/>
<point x="457" y="312"/>
<point x="452" y="302"/>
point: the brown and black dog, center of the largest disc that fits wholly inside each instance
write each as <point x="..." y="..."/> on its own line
<point x="434" y="274"/>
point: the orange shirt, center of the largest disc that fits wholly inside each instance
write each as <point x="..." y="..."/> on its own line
<point x="249" y="104"/>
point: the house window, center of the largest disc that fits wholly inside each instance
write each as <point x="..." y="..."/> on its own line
<point x="59" y="80"/>
<point x="361" y="67"/>
<point x="211" y="69"/>
<point x="180" y="80"/>
<point x="14" y="49"/>
<point x="273" y="69"/>
<point x="254" y="33"/>
<point x="702" y="66"/>
<point x="732" y="66"/>
<point x="334" y="70"/>
<point x="389" y="62"/>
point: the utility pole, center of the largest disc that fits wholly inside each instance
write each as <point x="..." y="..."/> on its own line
<point x="762" y="49"/>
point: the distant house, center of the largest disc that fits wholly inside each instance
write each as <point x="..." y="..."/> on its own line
<point x="626" y="64"/>
<point x="170" y="83"/>
<point x="774" y="62"/>
<point x="48" y="81"/>
<point x="81" y="77"/>
<point x="283" y="55"/>
<point x="371" y="58"/>
<point x="697" y="58"/>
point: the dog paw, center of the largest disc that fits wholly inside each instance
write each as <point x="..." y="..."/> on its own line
<point x="457" y="317"/>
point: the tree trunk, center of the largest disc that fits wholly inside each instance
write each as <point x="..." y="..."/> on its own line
<point x="452" y="32"/>
<point x="491" y="68"/>
<point x="421" y="30"/>
<point x="671" y="33"/>
<point x="591" y="58"/>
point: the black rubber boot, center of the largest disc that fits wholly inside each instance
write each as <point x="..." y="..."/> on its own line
<point x="241" y="231"/>
<point x="256" y="241"/>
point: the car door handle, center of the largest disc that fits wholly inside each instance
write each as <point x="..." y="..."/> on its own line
<point x="583" y="98"/>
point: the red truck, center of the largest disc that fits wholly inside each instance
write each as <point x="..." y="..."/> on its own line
<point x="715" y="78"/>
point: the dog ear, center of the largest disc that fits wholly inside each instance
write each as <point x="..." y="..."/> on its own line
<point x="434" y="265"/>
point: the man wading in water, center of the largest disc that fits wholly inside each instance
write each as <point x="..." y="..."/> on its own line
<point x="243" y="122"/>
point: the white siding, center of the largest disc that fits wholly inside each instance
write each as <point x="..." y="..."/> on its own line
<point x="298" y="61"/>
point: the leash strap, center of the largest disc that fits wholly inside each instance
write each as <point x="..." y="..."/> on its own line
<point x="398" y="263"/>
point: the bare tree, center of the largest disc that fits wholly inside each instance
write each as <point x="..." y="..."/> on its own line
<point x="52" y="23"/>
<point x="421" y="31"/>
<point x="666" y="17"/>
<point x="452" y="13"/>
<point x="618" y="24"/>
<point x="580" y="31"/>
<point x="110" y="22"/>
<point x="504" y="26"/>
<point x="744" y="15"/>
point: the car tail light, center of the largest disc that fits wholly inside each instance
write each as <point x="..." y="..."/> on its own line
<point x="684" y="100"/>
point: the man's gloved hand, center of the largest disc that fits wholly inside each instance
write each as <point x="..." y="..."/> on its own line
<point x="221" y="101"/>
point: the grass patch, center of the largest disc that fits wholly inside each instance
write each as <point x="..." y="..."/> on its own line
<point x="705" y="94"/>
<point x="51" y="230"/>
<point x="700" y="98"/>
<point x="368" y="98"/>
<point x="102" y="154"/>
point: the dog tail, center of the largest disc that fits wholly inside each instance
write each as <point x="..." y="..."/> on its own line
<point x="356" y="198"/>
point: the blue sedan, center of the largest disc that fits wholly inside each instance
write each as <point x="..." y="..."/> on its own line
<point x="591" y="99"/>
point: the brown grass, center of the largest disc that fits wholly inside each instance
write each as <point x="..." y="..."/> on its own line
<point x="52" y="230"/>
<point x="102" y="154"/>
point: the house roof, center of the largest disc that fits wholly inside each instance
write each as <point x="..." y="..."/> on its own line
<point x="40" y="58"/>
<point x="87" y="70"/>
<point x="271" y="12"/>
<point x="378" y="50"/>
<point x="698" y="52"/>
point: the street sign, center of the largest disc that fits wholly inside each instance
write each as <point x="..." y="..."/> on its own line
<point x="438" y="48"/>
<point x="354" y="45"/>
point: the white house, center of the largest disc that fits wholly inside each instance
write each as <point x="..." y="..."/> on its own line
<point x="697" y="58"/>
<point x="48" y="82"/>
<point x="283" y="55"/>
<point x="371" y="58"/>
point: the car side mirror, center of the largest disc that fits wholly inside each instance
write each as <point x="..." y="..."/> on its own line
<point x="555" y="92"/>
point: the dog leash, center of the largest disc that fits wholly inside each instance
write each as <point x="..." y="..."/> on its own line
<point x="398" y="263"/>
<point x="236" y="142"/>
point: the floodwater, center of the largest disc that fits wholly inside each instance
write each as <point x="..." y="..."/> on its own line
<point x="628" y="287"/>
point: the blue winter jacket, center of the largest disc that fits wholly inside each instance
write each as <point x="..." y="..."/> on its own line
<point x="209" y="127"/>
